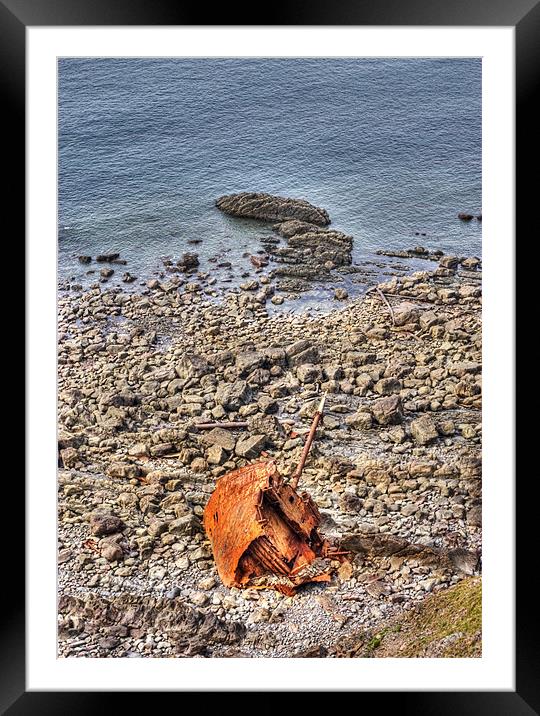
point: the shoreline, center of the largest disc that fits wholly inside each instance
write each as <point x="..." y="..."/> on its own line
<point x="395" y="469"/>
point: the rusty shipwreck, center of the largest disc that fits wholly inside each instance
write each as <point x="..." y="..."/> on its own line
<point x="263" y="532"/>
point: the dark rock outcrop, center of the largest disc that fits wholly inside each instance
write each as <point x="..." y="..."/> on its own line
<point x="271" y="208"/>
<point x="192" y="631"/>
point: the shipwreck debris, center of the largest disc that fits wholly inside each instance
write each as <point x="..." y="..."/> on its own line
<point x="264" y="534"/>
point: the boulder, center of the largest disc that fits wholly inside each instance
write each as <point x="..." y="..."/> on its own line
<point x="192" y="366"/>
<point x="308" y="373"/>
<point x="424" y="430"/>
<point x="360" y="420"/>
<point x="233" y="395"/>
<point x="219" y="437"/>
<point x="250" y="446"/>
<point x="387" y="386"/>
<point x="267" y="207"/>
<point x="405" y="313"/>
<point x="105" y="524"/>
<point x="388" y="410"/>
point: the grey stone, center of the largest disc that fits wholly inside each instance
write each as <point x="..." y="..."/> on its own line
<point x="186" y="525"/>
<point x="251" y="446"/>
<point x="232" y="395"/>
<point x="387" y="386"/>
<point x="192" y="366"/>
<point x="388" y="410"/>
<point x="105" y="524"/>
<point x="424" y="430"/>
<point x="360" y="420"/>
<point x="308" y="373"/>
<point x="220" y="437"/>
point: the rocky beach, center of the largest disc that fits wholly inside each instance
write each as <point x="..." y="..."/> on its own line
<point x="395" y="469"/>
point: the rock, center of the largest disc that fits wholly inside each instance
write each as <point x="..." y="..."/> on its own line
<point x="219" y="437"/>
<point x="216" y="455"/>
<point x="127" y="500"/>
<point x="334" y="372"/>
<point x="232" y="395"/>
<point x="161" y="449"/>
<point x="199" y="599"/>
<point x="277" y="300"/>
<point x="247" y="362"/>
<point x="424" y="430"/>
<point x="449" y="262"/>
<point x="408" y="510"/>
<point x="138" y="449"/>
<point x="447" y="427"/>
<point x="105" y="524"/>
<point x="446" y="294"/>
<point x="189" y="261"/>
<point x="206" y="583"/>
<point x="429" y="319"/>
<point x="70" y="456"/>
<point x="396" y="435"/>
<point x="182" y="563"/>
<point x="465" y="217"/>
<point x="128" y="278"/>
<point x="308" y="354"/>
<point x="108" y="643"/>
<point x="199" y="464"/>
<point x="112" y="552"/>
<point x="192" y="366"/>
<point x="267" y="425"/>
<point x="405" y="313"/>
<point x="258" y="261"/>
<point x="467" y="388"/>
<point x="376" y="589"/>
<point x="350" y="503"/>
<point x="308" y="373"/>
<point x="271" y="208"/>
<point x="340" y="294"/>
<point x="250" y="446"/>
<point x="123" y="471"/>
<point x="463" y="560"/>
<point x="85" y="259"/>
<point x="107" y="257"/>
<point x="387" y="386"/>
<point x="64" y="555"/>
<point x="185" y="526"/>
<point x="360" y="420"/>
<point x="471" y="263"/>
<point x="345" y="571"/>
<point x="388" y="410"/>
<point x="294" y="226"/>
<point x="358" y="358"/>
<point x="474" y="516"/>
<point x="267" y="404"/>
<point x="145" y="545"/>
<point x="106" y="272"/>
<point x="463" y="368"/>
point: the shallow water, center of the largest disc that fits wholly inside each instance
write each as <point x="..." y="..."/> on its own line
<point x="388" y="147"/>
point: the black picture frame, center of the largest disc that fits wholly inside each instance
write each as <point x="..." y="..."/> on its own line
<point x="524" y="16"/>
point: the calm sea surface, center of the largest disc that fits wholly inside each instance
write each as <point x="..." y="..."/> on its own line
<point x="388" y="147"/>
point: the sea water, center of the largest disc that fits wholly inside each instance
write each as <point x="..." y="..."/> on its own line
<point x="391" y="148"/>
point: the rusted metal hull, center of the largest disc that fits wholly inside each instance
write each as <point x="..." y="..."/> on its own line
<point x="263" y="533"/>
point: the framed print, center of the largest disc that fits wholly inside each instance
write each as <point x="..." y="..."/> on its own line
<point x="271" y="269"/>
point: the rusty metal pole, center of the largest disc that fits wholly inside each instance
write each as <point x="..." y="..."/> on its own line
<point x="311" y="435"/>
